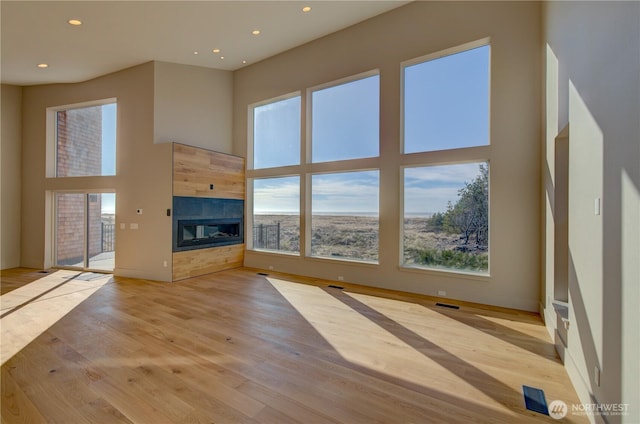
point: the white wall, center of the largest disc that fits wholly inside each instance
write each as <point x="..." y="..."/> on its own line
<point x="158" y="103"/>
<point x="11" y="154"/>
<point x="592" y="85"/>
<point x="193" y="106"/>
<point x="382" y="43"/>
<point x="143" y="177"/>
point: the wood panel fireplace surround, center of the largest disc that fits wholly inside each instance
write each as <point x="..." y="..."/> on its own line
<point x="208" y="211"/>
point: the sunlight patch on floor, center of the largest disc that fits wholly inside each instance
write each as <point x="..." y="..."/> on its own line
<point x="361" y="341"/>
<point x="30" y="310"/>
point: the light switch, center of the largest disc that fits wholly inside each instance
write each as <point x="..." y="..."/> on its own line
<point x="596" y="206"/>
<point x="133" y="226"/>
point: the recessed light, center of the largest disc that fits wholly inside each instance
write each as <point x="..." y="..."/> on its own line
<point x="216" y="50"/>
<point x="221" y="57"/>
<point x="255" y="32"/>
<point x="306" y="9"/>
<point x="74" y="22"/>
<point x="42" y="65"/>
<point x="195" y="52"/>
<point x="244" y="61"/>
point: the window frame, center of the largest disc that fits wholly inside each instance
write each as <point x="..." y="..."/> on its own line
<point x="309" y="210"/>
<point x="250" y="212"/>
<point x="428" y="269"/>
<point x="434" y="56"/>
<point x="51" y="166"/>
<point x="453" y="156"/>
<point x="306" y="168"/>
<point x="309" y="114"/>
<point x="250" y="160"/>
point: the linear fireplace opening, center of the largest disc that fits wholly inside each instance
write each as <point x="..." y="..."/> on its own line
<point x="205" y="222"/>
<point x="209" y="232"/>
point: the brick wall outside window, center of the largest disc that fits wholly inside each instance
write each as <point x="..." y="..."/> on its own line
<point x="79" y="142"/>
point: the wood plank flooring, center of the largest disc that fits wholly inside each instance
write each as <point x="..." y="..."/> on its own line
<point x="239" y="347"/>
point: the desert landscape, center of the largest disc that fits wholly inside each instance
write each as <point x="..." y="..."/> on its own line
<point x="356" y="237"/>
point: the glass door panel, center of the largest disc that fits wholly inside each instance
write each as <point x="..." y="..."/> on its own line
<point x="85" y="230"/>
<point x="101" y="235"/>
<point x="70" y="229"/>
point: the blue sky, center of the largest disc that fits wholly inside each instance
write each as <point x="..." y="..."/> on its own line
<point x="345" y="192"/>
<point x="277" y="133"/>
<point x="109" y="125"/>
<point x="276" y="195"/>
<point x="428" y="189"/>
<point x="345" y="121"/>
<point x="446" y="102"/>
<point x="446" y="106"/>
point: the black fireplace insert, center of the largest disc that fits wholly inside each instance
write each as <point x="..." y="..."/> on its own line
<point x="209" y="232"/>
<point x="205" y="222"/>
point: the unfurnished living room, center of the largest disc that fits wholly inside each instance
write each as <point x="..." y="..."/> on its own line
<point x="320" y="212"/>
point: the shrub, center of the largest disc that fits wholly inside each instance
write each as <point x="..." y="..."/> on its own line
<point x="452" y="259"/>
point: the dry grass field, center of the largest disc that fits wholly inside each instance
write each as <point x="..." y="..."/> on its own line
<point x="355" y="237"/>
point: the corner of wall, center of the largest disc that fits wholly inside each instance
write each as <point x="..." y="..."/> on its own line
<point x="11" y="166"/>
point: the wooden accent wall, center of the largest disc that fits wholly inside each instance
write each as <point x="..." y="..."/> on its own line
<point x="192" y="263"/>
<point x="194" y="170"/>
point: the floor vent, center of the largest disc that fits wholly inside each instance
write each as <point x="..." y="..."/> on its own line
<point x="336" y="287"/>
<point x="445" y="305"/>
<point x="264" y="274"/>
<point x="534" y="400"/>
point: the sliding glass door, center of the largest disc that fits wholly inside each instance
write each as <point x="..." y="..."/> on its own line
<point x="85" y="230"/>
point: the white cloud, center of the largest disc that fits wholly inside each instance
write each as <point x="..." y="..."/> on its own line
<point x="429" y="200"/>
<point x="454" y="174"/>
<point x="276" y="195"/>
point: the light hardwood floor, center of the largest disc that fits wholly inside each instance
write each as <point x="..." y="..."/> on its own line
<point x="239" y="347"/>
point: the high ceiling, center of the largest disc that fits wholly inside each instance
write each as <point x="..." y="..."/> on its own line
<point x="118" y="34"/>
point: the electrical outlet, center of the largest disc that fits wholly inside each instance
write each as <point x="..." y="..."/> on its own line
<point x="340" y="278"/>
<point x="270" y="267"/>
<point x="165" y="264"/>
<point x="442" y="293"/>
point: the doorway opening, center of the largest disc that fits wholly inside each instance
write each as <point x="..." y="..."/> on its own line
<point x="85" y="230"/>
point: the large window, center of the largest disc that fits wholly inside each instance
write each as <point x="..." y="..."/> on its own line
<point x="276" y="214"/>
<point x="446" y="217"/>
<point x="345" y="120"/>
<point x="446" y="195"/>
<point x="446" y="102"/>
<point x="334" y="172"/>
<point x="85" y="141"/>
<point x="345" y="215"/>
<point x="276" y="133"/>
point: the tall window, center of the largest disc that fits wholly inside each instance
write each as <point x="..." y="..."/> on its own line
<point x="276" y="133"/>
<point x="85" y="141"/>
<point x="332" y="170"/>
<point x="446" y="197"/>
<point x="345" y="120"/>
